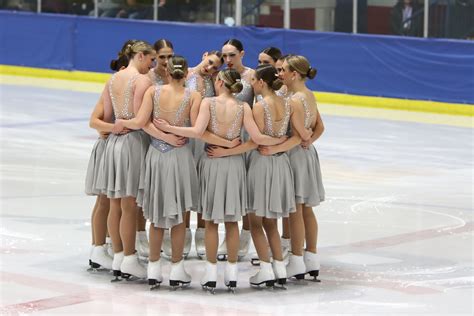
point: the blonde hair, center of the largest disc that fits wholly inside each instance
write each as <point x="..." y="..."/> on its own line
<point x="177" y="67"/>
<point x="301" y="65"/>
<point x="136" y="47"/>
<point x="231" y="79"/>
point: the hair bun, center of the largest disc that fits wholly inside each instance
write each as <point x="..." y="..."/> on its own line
<point x="177" y="73"/>
<point x="177" y="67"/>
<point x="277" y="84"/>
<point x="113" y="65"/>
<point x="311" y="73"/>
<point x="236" y="87"/>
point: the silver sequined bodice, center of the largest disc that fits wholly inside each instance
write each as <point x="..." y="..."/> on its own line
<point x="246" y="95"/>
<point x="201" y="84"/>
<point x="123" y="111"/>
<point x="308" y="116"/>
<point x="233" y="131"/>
<point x="156" y="78"/>
<point x="270" y="123"/>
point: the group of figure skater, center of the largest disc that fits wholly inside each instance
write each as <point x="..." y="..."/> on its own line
<point x="232" y="143"/>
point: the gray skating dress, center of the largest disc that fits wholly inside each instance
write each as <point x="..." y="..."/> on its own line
<point x="246" y="95"/>
<point x="168" y="180"/>
<point x="223" y="180"/>
<point x="270" y="178"/>
<point x="309" y="189"/>
<point x="93" y="167"/>
<point x="123" y="156"/>
<point x="203" y="85"/>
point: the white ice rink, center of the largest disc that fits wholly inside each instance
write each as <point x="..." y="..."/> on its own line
<point x="396" y="230"/>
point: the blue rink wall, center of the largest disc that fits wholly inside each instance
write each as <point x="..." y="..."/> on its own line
<point x="369" y="65"/>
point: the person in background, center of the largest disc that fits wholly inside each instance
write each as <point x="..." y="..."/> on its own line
<point x="403" y="20"/>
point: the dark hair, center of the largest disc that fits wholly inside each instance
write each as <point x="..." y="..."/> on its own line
<point x="218" y="54"/>
<point x="273" y="52"/>
<point x="122" y="59"/>
<point x="231" y="79"/>
<point x="301" y="65"/>
<point x="117" y="64"/>
<point x="236" y="43"/>
<point x="269" y="75"/>
<point x="177" y="67"/>
<point x="283" y="57"/>
<point x="162" y="43"/>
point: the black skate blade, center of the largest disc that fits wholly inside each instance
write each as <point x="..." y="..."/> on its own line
<point x="154" y="284"/>
<point x="314" y="274"/>
<point x="176" y="284"/>
<point x="210" y="284"/>
<point x="268" y="284"/>
<point x="255" y="262"/>
<point x="117" y="274"/>
<point x="232" y="286"/>
<point x="280" y="284"/>
<point x="210" y="287"/>
<point x="299" y="279"/>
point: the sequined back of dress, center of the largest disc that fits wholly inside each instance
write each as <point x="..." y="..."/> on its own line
<point x="201" y="84"/>
<point x="246" y="95"/>
<point x="308" y="116"/>
<point x="272" y="127"/>
<point x="177" y="120"/>
<point x="123" y="110"/>
<point x="228" y="130"/>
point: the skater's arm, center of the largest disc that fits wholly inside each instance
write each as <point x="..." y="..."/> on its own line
<point x="214" y="139"/>
<point x="199" y="130"/>
<point x="217" y="152"/>
<point x="143" y="115"/>
<point x="97" y="120"/>
<point x="317" y="132"/>
<point x="174" y="140"/>
<point x="297" y="119"/>
<point x="293" y="141"/>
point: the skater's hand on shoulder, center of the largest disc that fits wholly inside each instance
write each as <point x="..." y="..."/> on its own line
<point x="118" y="127"/>
<point x="161" y="124"/>
<point x="216" y="152"/>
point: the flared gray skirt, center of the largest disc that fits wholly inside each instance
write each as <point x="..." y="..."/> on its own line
<point x="309" y="189"/>
<point x="197" y="148"/>
<point x="93" y="167"/>
<point x="121" y="163"/>
<point x="168" y="186"/>
<point x="223" y="186"/>
<point x="270" y="185"/>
